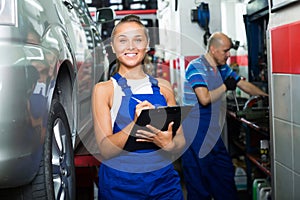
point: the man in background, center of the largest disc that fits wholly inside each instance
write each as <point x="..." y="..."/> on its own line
<point x="207" y="166"/>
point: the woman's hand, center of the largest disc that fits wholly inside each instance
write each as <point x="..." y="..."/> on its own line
<point x="163" y="139"/>
<point x="142" y="106"/>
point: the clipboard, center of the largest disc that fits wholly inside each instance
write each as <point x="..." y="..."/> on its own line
<point x="160" y="118"/>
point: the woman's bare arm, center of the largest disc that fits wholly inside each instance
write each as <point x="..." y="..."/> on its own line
<point x="109" y="144"/>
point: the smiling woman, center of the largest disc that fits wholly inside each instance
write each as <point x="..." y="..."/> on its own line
<point x="142" y="171"/>
<point x="130" y="42"/>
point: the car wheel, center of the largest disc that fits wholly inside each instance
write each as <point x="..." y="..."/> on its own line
<point x="55" y="179"/>
<point x="59" y="156"/>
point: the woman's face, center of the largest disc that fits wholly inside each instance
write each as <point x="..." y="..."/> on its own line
<point x="130" y="44"/>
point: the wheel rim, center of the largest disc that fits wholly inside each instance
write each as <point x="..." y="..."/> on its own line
<point x="61" y="162"/>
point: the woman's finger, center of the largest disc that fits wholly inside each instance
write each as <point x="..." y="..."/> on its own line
<point x="153" y="129"/>
<point x="144" y="134"/>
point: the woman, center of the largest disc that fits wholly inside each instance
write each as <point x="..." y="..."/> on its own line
<point x="134" y="167"/>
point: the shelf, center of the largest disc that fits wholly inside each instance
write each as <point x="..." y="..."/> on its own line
<point x="258" y="126"/>
<point x="256" y="160"/>
<point x="245" y="136"/>
<point x="261" y="125"/>
<point x="253" y="158"/>
<point x="239" y="145"/>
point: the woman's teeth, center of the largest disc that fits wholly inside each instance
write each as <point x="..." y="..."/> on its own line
<point x="130" y="54"/>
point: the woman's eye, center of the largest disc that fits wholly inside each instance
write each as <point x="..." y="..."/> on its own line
<point x="123" y="41"/>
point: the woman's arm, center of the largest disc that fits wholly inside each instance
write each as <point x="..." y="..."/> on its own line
<point x="109" y="144"/>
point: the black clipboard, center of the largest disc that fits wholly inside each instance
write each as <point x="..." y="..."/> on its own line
<point x="159" y="118"/>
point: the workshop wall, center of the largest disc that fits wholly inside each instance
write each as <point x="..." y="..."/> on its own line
<point x="179" y="35"/>
<point x="233" y="25"/>
<point x="182" y="40"/>
<point x="284" y="50"/>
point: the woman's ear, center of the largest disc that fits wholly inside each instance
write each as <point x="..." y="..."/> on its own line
<point x="148" y="44"/>
<point x="147" y="48"/>
<point x="112" y="47"/>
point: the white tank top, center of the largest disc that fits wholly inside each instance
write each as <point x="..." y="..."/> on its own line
<point x="138" y="86"/>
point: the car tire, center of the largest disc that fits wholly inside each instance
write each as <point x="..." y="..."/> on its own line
<point x="56" y="176"/>
<point x="55" y="179"/>
<point x="59" y="169"/>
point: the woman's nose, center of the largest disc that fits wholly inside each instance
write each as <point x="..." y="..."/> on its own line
<point x="131" y="45"/>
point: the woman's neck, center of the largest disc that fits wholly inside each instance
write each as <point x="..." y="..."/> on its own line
<point x="133" y="73"/>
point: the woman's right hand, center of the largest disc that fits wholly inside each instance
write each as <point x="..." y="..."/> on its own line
<point x="142" y="106"/>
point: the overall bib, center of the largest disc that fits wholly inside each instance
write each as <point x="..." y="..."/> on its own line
<point x="138" y="173"/>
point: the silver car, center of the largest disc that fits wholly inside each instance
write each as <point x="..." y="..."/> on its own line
<point x="51" y="55"/>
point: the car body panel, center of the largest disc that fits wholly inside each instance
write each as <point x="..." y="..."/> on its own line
<point x="49" y="37"/>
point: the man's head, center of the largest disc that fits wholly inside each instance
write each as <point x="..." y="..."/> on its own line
<point x="218" y="47"/>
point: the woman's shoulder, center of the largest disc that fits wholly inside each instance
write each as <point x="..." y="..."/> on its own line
<point x="167" y="90"/>
<point x="163" y="82"/>
<point x="103" y="92"/>
<point x="104" y="86"/>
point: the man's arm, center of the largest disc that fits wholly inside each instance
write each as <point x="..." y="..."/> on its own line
<point x="250" y="88"/>
<point x="206" y="97"/>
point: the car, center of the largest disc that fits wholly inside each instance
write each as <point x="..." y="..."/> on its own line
<point x="51" y="55"/>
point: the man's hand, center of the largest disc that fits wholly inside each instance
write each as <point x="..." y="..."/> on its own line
<point x="230" y="83"/>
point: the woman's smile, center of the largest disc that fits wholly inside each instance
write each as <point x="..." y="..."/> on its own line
<point x="130" y="54"/>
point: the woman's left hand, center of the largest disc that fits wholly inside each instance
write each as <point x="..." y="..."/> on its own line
<point x="163" y="139"/>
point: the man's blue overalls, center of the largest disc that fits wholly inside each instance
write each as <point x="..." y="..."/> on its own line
<point x="210" y="175"/>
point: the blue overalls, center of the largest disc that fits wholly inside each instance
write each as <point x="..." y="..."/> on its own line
<point x="212" y="175"/>
<point x="139" y="173"/>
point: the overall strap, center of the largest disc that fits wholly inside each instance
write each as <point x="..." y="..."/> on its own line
<point x="122" y="82"/>
<point x="154" y="85"/>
